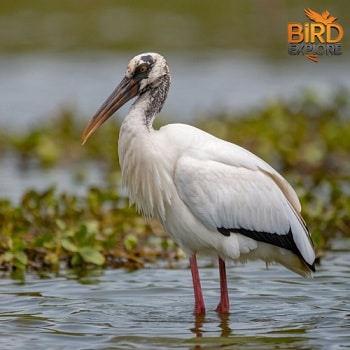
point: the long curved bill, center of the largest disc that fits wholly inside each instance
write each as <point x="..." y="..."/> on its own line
<point x="126" y="90"/>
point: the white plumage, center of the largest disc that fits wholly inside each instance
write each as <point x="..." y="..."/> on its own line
<point x="212" y="197"/>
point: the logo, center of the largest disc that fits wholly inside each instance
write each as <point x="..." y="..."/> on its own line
<point x="320" y="37"/>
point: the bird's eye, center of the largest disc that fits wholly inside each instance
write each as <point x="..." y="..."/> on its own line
<point x="143" y="69"/>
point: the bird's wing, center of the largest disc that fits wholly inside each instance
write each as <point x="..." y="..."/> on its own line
<point x="231" y="190"/>
<point x="325" y="14"/>
<point x="327" y="18"/>
<point x="313" y="15"/>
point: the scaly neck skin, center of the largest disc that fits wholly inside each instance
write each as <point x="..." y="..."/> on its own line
<point x="143" y="174"/>
<point x="149" y="103"/>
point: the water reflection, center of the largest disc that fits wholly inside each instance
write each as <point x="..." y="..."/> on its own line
<point x="198" y="324"/>
<point x="225" y="336"/>
<point x="224" y="325"/>
<point x="200" y="320"/>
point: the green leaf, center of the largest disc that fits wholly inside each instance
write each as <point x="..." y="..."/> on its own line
<point x="68" y="245"/>
<point x="91" y="255"/>
<point x="21" y="257"/>
<point x="92" y="226"/>
<point x="76" y="260"/>
<point x="61" y="224"/>
<point x="130" y="242"/>
<point x="7" y="256"/>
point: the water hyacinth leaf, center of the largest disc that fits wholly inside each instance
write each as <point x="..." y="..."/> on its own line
<point x="7" y="256"/>
<point x="19" y="260"/>
<point x="92" y="255"/>
<point x="61" y="224"/>
<point x="92" y="226"/>
<point x="76" y="260"/>
<point x="68" y="245"/>
<point x="84" y="237"/>
<point x="130" y="242"/>
<point x="21" y="257"/>
<point x="52" y="259"/>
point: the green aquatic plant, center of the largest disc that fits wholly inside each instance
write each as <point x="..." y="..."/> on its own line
<point x="47" y="230"/>
<point x="305" y="139"/>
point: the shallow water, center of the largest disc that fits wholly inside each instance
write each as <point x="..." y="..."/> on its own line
<point x="202" y="84"/>
<point x="152" y="309"/>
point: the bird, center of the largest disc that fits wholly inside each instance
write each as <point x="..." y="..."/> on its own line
<point x="213" y="198"/>
<point x="320" y="17"/>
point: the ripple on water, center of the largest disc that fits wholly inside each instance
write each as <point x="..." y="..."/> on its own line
<point x="152" y="308"/>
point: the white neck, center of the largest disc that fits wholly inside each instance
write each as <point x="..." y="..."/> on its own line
<point x="143" y="173"/>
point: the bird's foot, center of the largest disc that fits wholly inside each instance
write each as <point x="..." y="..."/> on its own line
<point x="222" y="308"/>
<point x="199" y="310"/>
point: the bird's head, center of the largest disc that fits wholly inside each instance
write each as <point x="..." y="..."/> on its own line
<point x="144" y="72"/>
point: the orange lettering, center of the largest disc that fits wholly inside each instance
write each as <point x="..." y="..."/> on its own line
<point x="306" y="32"/>
<point x="295" y="33"/>
<point x="339" y="30"/>
<point x="317" y="34"/>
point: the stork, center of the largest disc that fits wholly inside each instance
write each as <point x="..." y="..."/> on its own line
<point x="213" y="197"/>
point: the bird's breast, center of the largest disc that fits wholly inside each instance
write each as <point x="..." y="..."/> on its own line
<point x="146" y="171"/>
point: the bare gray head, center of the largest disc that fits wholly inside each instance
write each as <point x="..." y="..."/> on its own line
<point x="146" y="76"/>
<point x="148" y="69"/>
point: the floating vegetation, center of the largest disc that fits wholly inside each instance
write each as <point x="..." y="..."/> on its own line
<point x="307" y="141"/>
<point x="46" y="231"/>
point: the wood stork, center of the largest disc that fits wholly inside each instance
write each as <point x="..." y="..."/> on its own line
<point x="212" y="197"/>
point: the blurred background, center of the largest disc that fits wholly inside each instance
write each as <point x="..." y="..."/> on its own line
<point x="229" y="54"/>
<point x="65" y="56"/>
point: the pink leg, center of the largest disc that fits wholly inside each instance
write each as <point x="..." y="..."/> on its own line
<point x="224" y="304"/>
<point x="199" y="307"/>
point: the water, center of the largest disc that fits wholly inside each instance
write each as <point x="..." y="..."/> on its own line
<point x="39" y="85"/>
<point x="152" y="309"/>
<point x="14" y="183"/>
